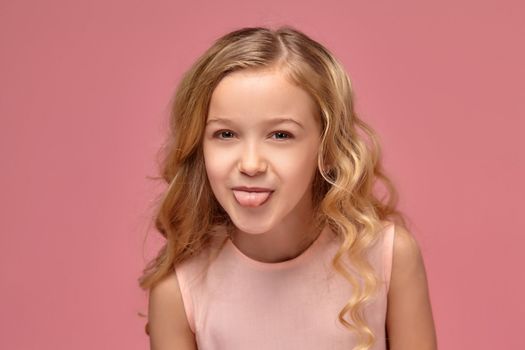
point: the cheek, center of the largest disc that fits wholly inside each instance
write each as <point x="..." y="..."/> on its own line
<point x="216" y="163"/>
<point x="213" y="169"/>
<point x="296" y="167"/>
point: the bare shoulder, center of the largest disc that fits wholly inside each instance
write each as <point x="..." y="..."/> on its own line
<point x="406" y="248"/>
<point x="167" y="322"/>
<point x="410" y="323"/>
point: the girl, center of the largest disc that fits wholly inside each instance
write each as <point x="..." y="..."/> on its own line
<point x="275" y="237"/>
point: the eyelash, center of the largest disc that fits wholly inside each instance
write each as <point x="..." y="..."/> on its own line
<point x="290" y="136"/>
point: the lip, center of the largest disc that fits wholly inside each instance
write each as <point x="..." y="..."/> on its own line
<point x="252" y="189"/>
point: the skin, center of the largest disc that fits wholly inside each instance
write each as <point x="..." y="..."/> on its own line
<point x="245" y="148"/>
<point x="251" y="153"/>
<point x="409" y="320"/>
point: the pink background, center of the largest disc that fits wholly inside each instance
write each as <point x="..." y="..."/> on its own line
<point x="84" y="92"/>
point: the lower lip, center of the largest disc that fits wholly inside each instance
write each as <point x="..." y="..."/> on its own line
<point x="258" y="206"/>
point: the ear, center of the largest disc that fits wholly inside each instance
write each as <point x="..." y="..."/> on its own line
<point x="328" y="163"/>
<point x="327" y="167"/>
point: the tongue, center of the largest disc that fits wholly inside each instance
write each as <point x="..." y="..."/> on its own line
<point x="250" y="199"/>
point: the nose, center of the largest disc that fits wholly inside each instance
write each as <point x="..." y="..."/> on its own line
<point x="252" y="162"/>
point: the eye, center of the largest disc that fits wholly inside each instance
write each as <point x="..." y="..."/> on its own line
<point x="222" y="132"/>
<point x="283" y="133"/>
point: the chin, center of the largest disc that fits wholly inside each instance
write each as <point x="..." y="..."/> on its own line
<point x="252" y="228"/>
<point x="254" y="224"/>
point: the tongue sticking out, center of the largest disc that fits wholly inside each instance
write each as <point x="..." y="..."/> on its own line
<point x="250" y="199"/>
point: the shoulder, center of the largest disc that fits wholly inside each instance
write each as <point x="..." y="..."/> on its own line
<point x="406" y="250"/>
<point x="408" y="267"/>
<point x="165" y="292"/>
<point x="410" y="322"/>
<point x="167" y="321"/>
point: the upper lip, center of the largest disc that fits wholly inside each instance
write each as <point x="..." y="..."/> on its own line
<point x="252" y="189"/>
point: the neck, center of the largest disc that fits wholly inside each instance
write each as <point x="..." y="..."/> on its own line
<point x="278" y="245"/>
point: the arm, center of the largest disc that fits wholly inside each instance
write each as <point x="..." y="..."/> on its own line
<point x="409" y="320"/>
<point x="167" y="323"/>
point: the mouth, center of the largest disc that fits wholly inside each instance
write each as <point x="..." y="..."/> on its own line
<point x="251" y="198"/>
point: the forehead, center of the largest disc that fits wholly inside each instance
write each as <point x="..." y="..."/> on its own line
<point x="260" y="94"/>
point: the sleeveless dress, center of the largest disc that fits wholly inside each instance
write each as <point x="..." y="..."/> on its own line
<point x="238" y="303"/>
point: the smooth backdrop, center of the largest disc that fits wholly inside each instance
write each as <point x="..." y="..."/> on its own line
<point x="84" y="92"/>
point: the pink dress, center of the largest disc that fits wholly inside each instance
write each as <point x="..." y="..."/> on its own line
<point x="242" y="303"/>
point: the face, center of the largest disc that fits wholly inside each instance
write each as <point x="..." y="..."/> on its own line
<point x="248" y="142"/>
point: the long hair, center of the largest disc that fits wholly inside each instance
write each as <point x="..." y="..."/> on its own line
<point x="349" y="161"/>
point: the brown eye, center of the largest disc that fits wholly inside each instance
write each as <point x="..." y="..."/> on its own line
<point x="282" y="135"/>
<point x="222" y="133"/>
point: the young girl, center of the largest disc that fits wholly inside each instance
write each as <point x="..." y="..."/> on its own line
<point x="275" y="235"/>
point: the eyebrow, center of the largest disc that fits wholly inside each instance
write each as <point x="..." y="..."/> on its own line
<point x="271" y="121"/>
